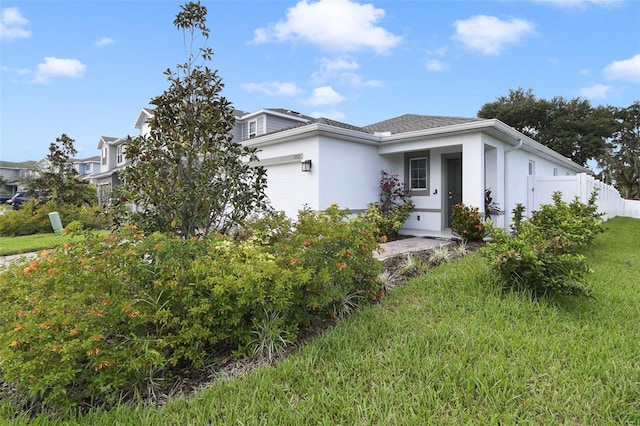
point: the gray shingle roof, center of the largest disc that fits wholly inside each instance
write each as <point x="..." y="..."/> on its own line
<point x="340" y="124"/>
<point x="412" y="122"/>
<point x="18" y="164"/>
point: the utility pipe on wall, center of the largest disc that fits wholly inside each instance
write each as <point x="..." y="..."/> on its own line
<point x="507" y="217"/>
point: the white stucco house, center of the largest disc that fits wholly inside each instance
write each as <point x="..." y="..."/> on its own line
<point x="316" y="162"/>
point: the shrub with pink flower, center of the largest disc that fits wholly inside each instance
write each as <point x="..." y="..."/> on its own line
<point x="467" y="222"/>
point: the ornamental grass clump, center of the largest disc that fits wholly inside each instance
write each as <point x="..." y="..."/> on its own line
<point x="125" y="316"/>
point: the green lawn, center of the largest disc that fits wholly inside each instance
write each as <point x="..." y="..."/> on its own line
<point x="28" y="243"/>
<point x="449" y="348"/>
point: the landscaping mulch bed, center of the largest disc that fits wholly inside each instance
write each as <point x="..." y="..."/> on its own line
<point x="394" y="265"/>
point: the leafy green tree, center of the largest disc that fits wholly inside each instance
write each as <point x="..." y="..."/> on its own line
<point x="572" y="128"/>
<point x="187" y="175"/>
<point x="60" y="182"/>
<point x="621" y="165"/>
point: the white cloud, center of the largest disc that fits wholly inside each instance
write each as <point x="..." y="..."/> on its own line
<point x="585" y="71"/>
<point x="342" y="70"/>
<point x="354" y="79"/>
<point x="330" y="114"/>
<point x="489" y="35"/>
<point x="57" y="67"/>
<point x="19" y="71"/>
<point x="104" y="41"/>
<point x="273" y="88"/>
<point x="325" y="96"/>
<point x="597" y="91"/>
<point x="626" y="70"/>
<point x="335" y="25"/>
<point x="12" y="24"/>
<point x="436" y="65"/>
<point x="332" y="68"/>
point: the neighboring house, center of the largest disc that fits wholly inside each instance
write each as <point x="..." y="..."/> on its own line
<point x="315" y="162"/>
<point x="86" y="167"/>
<point x="15" y="175"/>
<point x="111" y="162"/>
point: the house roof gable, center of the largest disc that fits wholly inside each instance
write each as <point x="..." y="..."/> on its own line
<point x="144" y="115"/>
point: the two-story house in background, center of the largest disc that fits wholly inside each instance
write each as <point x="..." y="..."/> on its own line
<point x="16" y="175"/>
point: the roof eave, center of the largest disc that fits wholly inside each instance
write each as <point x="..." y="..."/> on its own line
<point x="312" y="129"/>
<point x="275" y="113"/>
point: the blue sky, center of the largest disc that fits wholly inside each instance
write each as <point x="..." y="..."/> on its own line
<point x="86" y="68"/>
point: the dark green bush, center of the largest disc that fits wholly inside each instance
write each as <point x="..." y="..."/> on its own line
<point x="576" y="222"/>
<point x="33" y="218"/>
<point x="542" y="255"/>
<point x="122" y="316"/>
<point x="530" y="262"/>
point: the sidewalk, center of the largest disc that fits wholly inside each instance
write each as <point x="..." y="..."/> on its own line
<point x="5" y="260"/>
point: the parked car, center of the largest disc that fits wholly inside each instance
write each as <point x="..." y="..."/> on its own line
<point x="17" y="200"/>
<point x="4" y="198"/>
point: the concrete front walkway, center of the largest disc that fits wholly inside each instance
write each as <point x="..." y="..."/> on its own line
<point x="408" y="245"/>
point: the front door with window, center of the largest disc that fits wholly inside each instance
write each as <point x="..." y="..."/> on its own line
<point x="453" y="184"/>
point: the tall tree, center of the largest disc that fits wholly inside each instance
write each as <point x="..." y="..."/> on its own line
<point x="572" y="128"/>
<point x="187" y="175"/>
<point x="60" y="182"/>
<point x="621" y="166"/>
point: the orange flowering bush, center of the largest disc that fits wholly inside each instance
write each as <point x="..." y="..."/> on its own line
<point x="338" y="252"/>
<point x="467" y="222"/>
<point x="119" y="316"/>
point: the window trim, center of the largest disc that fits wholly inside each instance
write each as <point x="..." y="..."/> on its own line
<point x="253" y="134"/>
<point x="120" y="154"/>
<point x="420" y="155"/>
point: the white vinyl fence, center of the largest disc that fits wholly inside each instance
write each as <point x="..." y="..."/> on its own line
<point x="581" y="185"/>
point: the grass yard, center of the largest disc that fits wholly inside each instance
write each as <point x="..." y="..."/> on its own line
<point x="448" y="348"/>
<point x="28" y="243"/>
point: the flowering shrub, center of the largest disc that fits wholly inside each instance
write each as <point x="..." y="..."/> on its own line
<point x="467" y="222"/>
<point x="392" y="211"/>
<point x="122" y="316"/>
<point x="338" y="253"/>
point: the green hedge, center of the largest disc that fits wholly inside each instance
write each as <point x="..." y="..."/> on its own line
<point x="542" y="256"/>
<point x="33" y="218"/>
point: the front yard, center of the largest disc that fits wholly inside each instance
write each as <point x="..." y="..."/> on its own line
<point x="448" y="347"/>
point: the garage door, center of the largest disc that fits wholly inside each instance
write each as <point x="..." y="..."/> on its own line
<point x="286" y="188"/>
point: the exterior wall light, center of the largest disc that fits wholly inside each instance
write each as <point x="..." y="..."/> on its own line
<point x="306" y="165"/>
